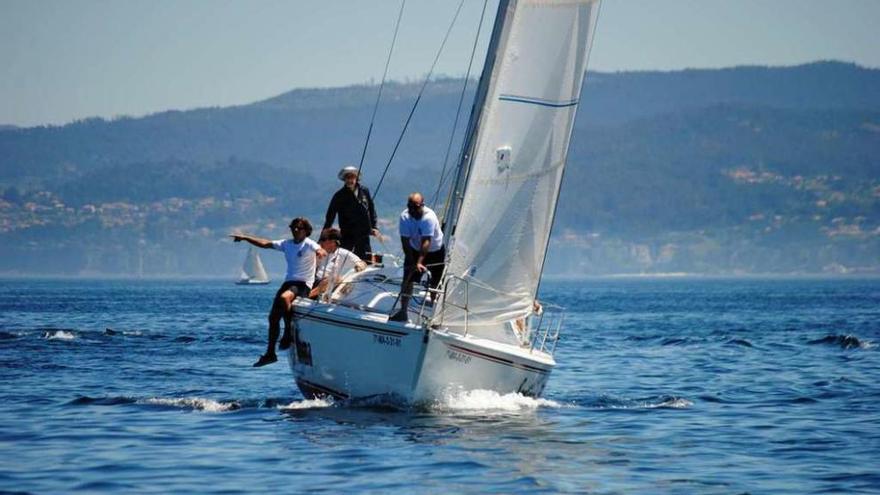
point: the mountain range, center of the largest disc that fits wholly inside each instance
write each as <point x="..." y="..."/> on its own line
<point x="745" y="170"/>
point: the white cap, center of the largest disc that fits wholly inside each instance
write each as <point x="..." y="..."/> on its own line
<point x="346" y="171"/>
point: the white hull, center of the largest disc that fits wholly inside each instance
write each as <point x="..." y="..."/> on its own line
<point x="347" y="353"/>
<point x="252" y="282"/>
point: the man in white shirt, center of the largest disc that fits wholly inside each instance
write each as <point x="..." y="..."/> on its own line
<point x="301" y="254"/>
<point x="422" y="242"/>
<point x="337" y="262"/>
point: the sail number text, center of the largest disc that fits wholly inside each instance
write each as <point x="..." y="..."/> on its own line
<point x="386" y="340"/>
<point x="458" y="356"/>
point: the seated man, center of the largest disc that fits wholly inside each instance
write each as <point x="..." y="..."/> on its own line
<point x="301" y="254"/>
<point x="337" y="262"/>
<point x="423" y="250"/>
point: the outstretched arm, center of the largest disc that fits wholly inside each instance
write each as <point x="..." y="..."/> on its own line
<point x="256" y="241"/>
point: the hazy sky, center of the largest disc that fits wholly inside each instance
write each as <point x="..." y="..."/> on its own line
<point x="67" y="59"/>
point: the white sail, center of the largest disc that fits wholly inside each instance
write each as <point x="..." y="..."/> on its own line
<point x="252" y="271"/>
<point x="517" y="157"/>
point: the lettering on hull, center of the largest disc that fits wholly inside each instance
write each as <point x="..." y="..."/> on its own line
<point x="457" y="356"/>
<point x="386" y="340"/>
<point x="303" y="351"/>
<point x="495" y="359"/>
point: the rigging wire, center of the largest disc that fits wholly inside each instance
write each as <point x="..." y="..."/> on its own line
<point x="418" y="98"/>
<point x="381" y="86"/>
<point x="458" y="111"/>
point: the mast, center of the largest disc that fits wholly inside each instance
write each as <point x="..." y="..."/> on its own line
<point x="456" y="193"/>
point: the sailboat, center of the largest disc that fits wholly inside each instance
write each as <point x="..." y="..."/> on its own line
<point x="486" y="329"/>
<point x="252" y="271"/>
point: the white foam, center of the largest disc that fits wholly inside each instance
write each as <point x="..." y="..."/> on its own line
<point x="491" y="401"/>
<point x="672" y="403"/>
<point x="668" y="403"/>
<point x="59" y="335"/>
<point x="676" y="404"/>
<point x="307" y="404"/>
<point x="197" y="403"/>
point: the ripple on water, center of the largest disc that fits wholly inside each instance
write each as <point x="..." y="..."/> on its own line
<point x="196" y="403"/>
<point x="59" y="335"/>
<point x="656" y="402"/>
<point x="740" y="342"/>
<point x="654" y="392"/>
<point x="193" y="403"/>
<point x="844" y="341"/>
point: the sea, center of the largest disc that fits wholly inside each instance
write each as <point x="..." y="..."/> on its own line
<point x="664" y="385"/>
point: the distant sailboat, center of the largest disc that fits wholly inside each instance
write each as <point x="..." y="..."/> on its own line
<point x="252" y="272"/>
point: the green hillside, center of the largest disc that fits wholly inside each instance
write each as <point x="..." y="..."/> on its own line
<point x="741" y="170"/>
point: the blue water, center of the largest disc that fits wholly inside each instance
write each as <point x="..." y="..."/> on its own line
<point x="664" y="386"/>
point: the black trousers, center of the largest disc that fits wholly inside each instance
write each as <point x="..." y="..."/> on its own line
<point x="435" y="262"/>
<point x="296" y="286"/>
<point x="359" y="245"/>
<point x="279" y="311"/>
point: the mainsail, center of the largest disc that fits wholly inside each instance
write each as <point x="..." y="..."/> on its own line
<point x="514" y="159"/>
<point x="252" y="271"/>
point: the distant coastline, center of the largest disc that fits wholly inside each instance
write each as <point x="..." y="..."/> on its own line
<point x="738" y="170"/>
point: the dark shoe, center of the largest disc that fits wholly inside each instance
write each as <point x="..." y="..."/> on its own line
<point x="284" y="344"/>
<point x="400" y="315"/>
<point x="265" y="359"/>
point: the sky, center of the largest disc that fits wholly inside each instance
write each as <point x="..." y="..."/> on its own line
<point x="64" y="60"/>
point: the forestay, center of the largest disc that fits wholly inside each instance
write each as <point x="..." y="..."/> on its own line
<point x="516" y="162"/>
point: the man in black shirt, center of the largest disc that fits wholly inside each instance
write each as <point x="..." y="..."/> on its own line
<point x="357" y="215"/>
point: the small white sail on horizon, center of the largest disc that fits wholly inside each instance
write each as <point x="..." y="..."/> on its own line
<point x="252" y="271"/>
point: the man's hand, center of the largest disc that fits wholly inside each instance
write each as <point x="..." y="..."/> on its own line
<point x="256" y="241"/>
<point x="375" y="233"/>
<point x="421" y="268"/>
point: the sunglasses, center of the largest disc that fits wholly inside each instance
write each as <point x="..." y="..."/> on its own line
<point x="296" y="227"/>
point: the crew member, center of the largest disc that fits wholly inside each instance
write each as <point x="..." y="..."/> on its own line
<point x="357" y="215"/>
<point x="301" y="254"/>
<point x="337" y="262"/>
<point x="422" y="242"/>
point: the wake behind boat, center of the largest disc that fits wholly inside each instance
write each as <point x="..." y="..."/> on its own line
<point x="486" y="329"/>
